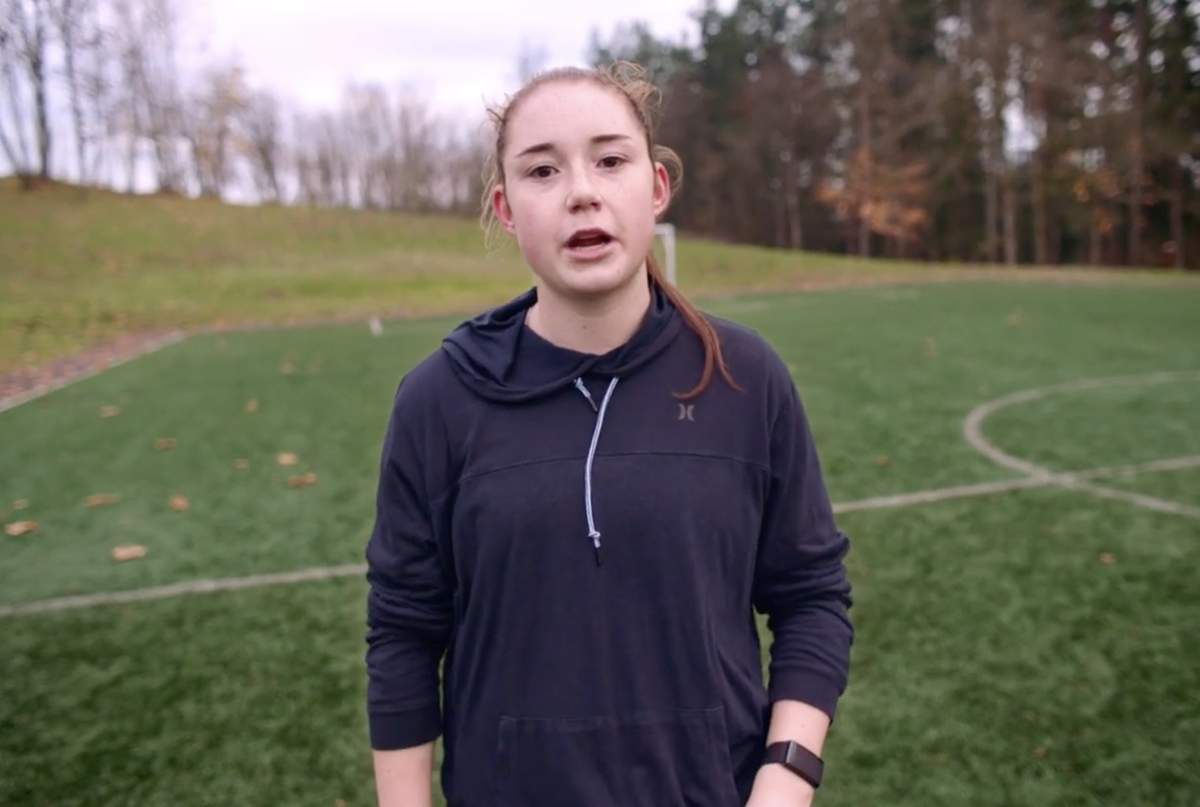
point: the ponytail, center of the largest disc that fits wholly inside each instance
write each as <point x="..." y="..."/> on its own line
<point x="713" y="358"/>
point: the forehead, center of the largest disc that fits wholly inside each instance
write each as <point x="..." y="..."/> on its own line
<point x="570" y="113"/>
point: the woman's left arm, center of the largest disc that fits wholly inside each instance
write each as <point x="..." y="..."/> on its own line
<point x="801" y="585"/>
<point x="775" y="785"/>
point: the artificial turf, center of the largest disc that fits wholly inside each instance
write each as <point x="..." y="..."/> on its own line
<point x="1025" y="648"/>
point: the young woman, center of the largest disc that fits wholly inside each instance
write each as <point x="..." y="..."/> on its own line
<point x="582" y="515"/>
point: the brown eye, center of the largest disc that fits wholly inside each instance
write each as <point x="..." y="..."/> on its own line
<point x="541" y="172"/>
<point x="612" y="161"/>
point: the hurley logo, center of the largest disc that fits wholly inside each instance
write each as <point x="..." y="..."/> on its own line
<point x="687" y="412"/>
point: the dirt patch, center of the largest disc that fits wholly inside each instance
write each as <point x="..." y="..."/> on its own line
<point x="19" y="386"/>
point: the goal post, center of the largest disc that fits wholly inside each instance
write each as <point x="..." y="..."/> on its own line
<point x="667" y="233"/>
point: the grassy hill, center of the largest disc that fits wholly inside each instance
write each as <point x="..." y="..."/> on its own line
<point x="78" y="268"/>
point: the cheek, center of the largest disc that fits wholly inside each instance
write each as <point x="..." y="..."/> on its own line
<point x="531" y="227"/>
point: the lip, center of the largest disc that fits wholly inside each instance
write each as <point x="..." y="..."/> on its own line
<point x="591" y="251"/>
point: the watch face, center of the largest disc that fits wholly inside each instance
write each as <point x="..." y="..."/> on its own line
<point x="804" y="763"/>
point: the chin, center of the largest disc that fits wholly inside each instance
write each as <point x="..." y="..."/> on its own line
<point x="595" y="282"/>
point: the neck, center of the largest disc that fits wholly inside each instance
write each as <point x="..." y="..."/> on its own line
<point x="586" y="325"/>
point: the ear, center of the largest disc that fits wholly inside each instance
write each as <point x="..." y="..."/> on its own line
<point x="662" y="189"/>
<point x="501" y="208"/>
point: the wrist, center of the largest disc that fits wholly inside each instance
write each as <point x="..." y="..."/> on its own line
<point x="775" y="785"/>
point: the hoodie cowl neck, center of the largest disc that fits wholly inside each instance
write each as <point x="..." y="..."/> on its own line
<point x="502" y="359"/>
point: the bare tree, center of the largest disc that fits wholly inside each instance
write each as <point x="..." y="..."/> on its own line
<point x="15" y="144"/>
<point x="321" y="161"/>
<point x="262" y="142"/>
<point x="216" y="106"/>
<point x="25" y="41"/>
<point x="458" y="184"/>
<point x="370" y="134"/>
<point x="145" y="37"/>
<point x="75" y="22"/>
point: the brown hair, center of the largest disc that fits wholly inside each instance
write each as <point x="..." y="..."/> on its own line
<point x="630" y="81"/>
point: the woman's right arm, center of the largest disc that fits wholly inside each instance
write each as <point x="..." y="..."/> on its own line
<point x="404" y="778"/>
<point x="409" y="607"/>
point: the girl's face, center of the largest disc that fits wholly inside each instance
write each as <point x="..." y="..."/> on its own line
<point x="580" y="193"/>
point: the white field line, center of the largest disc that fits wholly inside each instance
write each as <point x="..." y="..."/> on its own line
<point x="1064" y="478"/>
<point x="351" y="570"/>
<point x="1037" y="476"/>
<point x="972" y="430"/>
<point x="12" y="402"/>
<point x="182" y="588"/>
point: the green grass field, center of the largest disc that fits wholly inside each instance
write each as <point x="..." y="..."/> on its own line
<point x="80" y="268"/>
<point x="1031" y="647"/>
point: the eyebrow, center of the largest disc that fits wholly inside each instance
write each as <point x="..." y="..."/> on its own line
<point x="543" y="147"/>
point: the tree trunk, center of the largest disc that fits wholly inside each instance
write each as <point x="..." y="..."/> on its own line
<point x="1010" y="222"/>
<point x="1137" y="143"/>
<point x="1094" y="240"/>
<point x="990" y="210"/>
<point x="1037" y="200"/>
<point x="68" y="22"/>
<point x="33" y="36"/>
<point x="864" y="139"/>
<point x="1178" y="236"/>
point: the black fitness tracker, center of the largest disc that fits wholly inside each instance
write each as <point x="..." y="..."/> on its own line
<point x="797" y="759"/>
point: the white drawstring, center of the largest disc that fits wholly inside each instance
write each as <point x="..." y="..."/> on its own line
<point x="594" y="533"/>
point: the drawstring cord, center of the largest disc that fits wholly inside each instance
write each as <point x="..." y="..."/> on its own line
<point x="594" y="533"/>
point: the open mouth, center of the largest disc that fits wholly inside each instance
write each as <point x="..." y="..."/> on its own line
<point x="588" y="243"/>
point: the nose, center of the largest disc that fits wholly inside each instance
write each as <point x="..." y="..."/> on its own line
<point x="582" y="194"/>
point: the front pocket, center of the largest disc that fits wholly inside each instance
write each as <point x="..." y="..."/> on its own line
<point x="667" y="758"/>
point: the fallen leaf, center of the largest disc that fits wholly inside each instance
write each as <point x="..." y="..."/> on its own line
<point x="128" y="552"/>
<point x="1040" y="751"/>
<point x="251" y="406"/>
<point x="287" y="368"/>
<point x="1015" y="319"/>
<point x="930" y="347"/>
<point x="241" y="464"/>
<point x="20" y="528"/>
<point x="286" y="458"/>
<point x="1107" y="558"/>
<point x="303" y="480"/>
<point x="178" y="503"/>
<point x="20" y="504"/>
<point x="339" y="803"/>
<point x="883" y="460"/>
<point x="100" y="499"/>
<point x="109" y="411"/>
<point x="165" y="443"/>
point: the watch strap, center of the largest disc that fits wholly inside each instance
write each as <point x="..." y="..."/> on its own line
<point x="796" y="758"/>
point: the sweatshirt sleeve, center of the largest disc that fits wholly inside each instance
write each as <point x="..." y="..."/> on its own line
<point x="410" y="599"/>
<point x="799" y="579"/>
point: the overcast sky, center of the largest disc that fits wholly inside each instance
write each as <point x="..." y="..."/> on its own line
<point x="456" y="53"/>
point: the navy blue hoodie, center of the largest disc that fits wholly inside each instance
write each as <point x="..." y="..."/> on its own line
<point x="586" y="549"/>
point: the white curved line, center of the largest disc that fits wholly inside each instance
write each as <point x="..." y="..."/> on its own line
<point x="1005" y="485"/>
<point x="972" y="430"/>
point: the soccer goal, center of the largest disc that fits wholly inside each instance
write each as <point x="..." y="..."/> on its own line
<point x="667" y="233"/>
